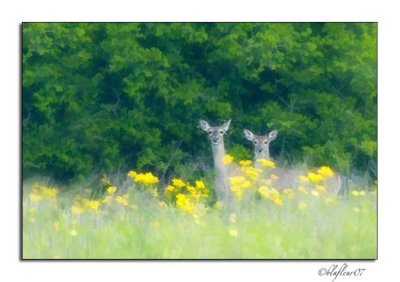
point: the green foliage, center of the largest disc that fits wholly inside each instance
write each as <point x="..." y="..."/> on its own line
<point x="100" y="97"/>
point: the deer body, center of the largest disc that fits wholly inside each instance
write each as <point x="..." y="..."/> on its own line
<point x="285" y="178"/>
<point x="216" y="137"/>
<point x="221" y="173"/>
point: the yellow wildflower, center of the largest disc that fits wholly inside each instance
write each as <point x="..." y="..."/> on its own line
<point x="35" y="197"/>
<point x="302" y="189"/>
<point x="227" y="159"/>
<point x="245" y="162"/>
<point x="271" y="194"/>
<point x="149" y="178"/>
<point x="330" y="201"/>
<point x="162" y="205"/>
<point x="320" y="188"/>
<point x="251" y="172"/>
<point x="303" y="178"/>
<point x="107" y="199"/>
<point x="274" y="191"/>
<point x="237" y="191"/>
<point x="184" y="203"/>
<point x="288" y="193"/>
<point x="266" y="182"/>
<point x="192" y="191"/>
<point x="325" y="171"/>
<point x="92" y="204"/>
<point x="154" y="193"/>
<point x="315" y="193"/>
<point x="264" y="191"/>
<point x="143" y="178"/>
<point x="238" y="185"/>
<point x="49" y="192"/>
<point x="302" y="206"/>
<point x="274" y="176"/>
<point x="266" y="163"/>
<point x="170" y="189"/>
<point x="314" y="177"/>
<point x="356" y="210"/>
<point x="73" y="232"/>
<point x="233" y="232"/>
<point x="131" y="174"/>
<point x="77" y="210"/>
<point x="278" y="201"/>
<point x="203" y="193"/>
<point x="123" y="200"/>
<point x="239" y="181"/>
<point x="276" y="197"/>
<point x="178" y="183"/>
<point x="358" y="193"/>
<point x="111" y="189"/>
<point x="200" y="184"/>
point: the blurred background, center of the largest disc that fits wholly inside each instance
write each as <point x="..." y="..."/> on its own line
<point x="109" y="97"/>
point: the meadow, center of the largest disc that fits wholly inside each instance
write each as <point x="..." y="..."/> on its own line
<point x="146" y="219"/>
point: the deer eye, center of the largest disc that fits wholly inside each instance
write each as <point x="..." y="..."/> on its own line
<point x="210" y="132"/>
<point x="255" y="142"/>
<point x="265" y="142"/>
<point x="221" y="132"/>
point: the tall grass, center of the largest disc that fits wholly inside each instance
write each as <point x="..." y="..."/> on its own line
<point x="143" y="223"/>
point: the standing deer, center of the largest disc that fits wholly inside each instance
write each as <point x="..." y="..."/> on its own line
<point x="216" y="137"/>
<point x="286" y="178"/>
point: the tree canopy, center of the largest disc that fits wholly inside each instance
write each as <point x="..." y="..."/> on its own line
<point x="104" y="96"/>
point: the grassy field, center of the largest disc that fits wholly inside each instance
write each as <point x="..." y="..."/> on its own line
<point x="178" y="221"/>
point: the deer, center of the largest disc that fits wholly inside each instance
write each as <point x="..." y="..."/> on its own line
<point x="284" y="177"/>
<point x="216" y="137"/>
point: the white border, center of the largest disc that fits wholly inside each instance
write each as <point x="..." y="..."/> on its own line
<point x="14" y="12"/>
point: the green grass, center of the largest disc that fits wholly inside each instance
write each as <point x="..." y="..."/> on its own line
<point x="147" y="229"/>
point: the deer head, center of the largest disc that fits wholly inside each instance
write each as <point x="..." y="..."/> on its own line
<point x="215" y="133"/>
<point x="261" y="142"/>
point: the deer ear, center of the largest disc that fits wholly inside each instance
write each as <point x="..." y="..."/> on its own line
<point x="272" y="135"/>
<point x="204" y="125"/>
<point x="248" y="134"/>
<point x="225" y="126"/>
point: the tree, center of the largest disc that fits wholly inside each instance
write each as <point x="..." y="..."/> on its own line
<point x="98" y="97"/>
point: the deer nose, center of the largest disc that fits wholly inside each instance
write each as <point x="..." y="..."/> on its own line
<point x="259" y="150"/>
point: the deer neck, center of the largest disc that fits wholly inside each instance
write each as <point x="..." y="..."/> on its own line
<point x="218" y="154"/>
